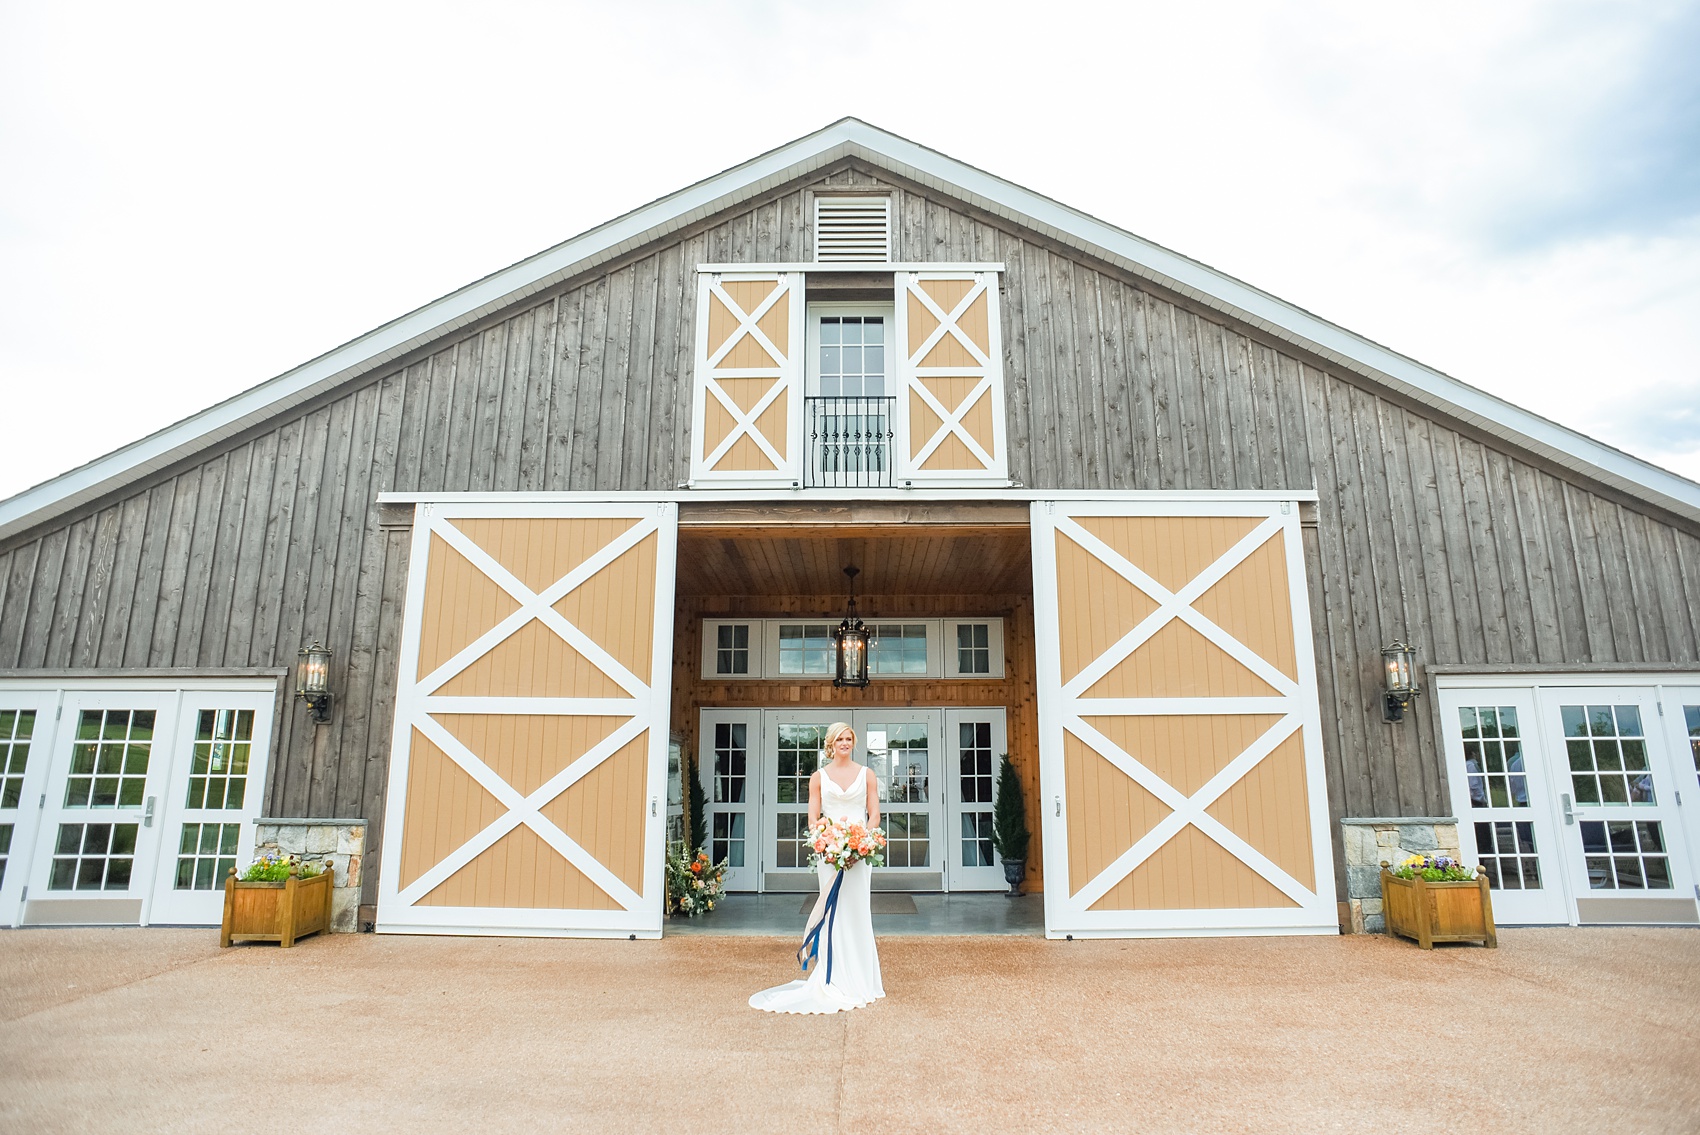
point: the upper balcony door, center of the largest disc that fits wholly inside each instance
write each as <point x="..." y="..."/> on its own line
<point x="847" y="424"/>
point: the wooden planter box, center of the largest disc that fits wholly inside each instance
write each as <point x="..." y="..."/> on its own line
<point x="1438" y="912"/>
<point x="275" y="912"/>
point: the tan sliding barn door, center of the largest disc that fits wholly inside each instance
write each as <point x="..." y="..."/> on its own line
<point x="950" y="405"/>
<point x="1181" y="765"/>
<point x="746" y="409"/>
<point x="530" y="750"/>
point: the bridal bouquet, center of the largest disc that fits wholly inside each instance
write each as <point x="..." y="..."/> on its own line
<point x="840" y="843"/>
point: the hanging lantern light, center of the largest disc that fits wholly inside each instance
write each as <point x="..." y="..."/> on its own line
<point x="313" y="680"/>
<point x="1399" y="667"/>
<point x="850" y="638"/>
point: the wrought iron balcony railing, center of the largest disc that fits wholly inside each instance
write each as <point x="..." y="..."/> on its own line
<point x="849" y="442"/>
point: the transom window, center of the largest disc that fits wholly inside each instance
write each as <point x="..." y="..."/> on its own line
<point x="898" y="648"/>
<point x="910" y="648"/>
<point x="973" y="648"/>
<point x="805" y="648"/>
<point x="732" y="649"/>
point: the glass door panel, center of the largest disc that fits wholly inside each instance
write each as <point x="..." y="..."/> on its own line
<point x="213" y="795"/>
<point x="26" y="738"/>
<point x="902" y="749"/>
<point x="1682" y="729"/>
<point x="1501" y="798"/>
<point x="795" y="742"/>
<point x="977" y="743"/>
<point x="728" y="768"/>
<point x="100" y="827"/>
<point x="1625" y="848"/>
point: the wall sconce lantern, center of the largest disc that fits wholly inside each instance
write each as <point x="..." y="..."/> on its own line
<point x="313" y="681"/>
<point x="1399" y="666"/>
<point x="850" y="638"/>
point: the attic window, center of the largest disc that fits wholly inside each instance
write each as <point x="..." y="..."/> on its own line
<point x="852" y="229"/>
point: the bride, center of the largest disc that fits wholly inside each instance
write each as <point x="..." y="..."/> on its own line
<point x="843" y="790"/>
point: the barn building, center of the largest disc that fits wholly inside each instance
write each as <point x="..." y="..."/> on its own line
<point x="1141" y="526"/>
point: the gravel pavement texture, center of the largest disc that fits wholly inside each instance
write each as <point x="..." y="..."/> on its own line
<point x="1558" y="1030"/>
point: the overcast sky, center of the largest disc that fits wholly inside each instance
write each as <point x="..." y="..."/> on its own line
<point x="196" y="198"/>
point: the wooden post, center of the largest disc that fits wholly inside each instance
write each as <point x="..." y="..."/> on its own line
<point x="1424" y="902"/>
<point x="1492" y="940"/>
<point x="286" y="911"/>
<point x="229" y="908"/>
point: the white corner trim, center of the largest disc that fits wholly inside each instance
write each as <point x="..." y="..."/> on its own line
<point x="850" y="137"/>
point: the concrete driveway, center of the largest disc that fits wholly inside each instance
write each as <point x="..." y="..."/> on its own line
<point x="158" y="1030"/>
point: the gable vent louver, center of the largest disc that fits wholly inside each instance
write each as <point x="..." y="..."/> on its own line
<point x="852" y="228"/>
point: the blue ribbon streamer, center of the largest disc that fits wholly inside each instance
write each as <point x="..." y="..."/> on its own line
<point x="811" y="940"/>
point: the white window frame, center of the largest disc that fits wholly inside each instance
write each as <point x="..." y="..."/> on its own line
<point x="994" y="642"/>
<point x="770" y="638"/>
<point x="934" y="635"/>
<point x="711" y="649"/>
<point x="811" y="363"/>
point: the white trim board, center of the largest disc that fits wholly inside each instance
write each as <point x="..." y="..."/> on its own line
<point x="852" y="138"/>
<point x="860" y="267"/>
<point x="828" y="496"/>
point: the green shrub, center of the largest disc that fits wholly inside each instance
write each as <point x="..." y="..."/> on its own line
<point x="1009" y="815"/>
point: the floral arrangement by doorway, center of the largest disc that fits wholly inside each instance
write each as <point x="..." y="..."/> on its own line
<point x="272" y="867"/>
<point x="694" y="883"/>
<point x="1434" y="869"/>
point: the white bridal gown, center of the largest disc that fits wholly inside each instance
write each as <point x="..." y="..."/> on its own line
<point x="855" y="961"/>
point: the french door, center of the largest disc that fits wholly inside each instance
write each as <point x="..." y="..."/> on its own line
<point x="903" y="750"/>
<point x="1681" y="720"/>
<point x="977" y="740"/>
<point x="935" y="770"/>
<point x="26" y="736"/>
<point x="1624" y="844"/>
<point x="212" y="794"/>
<point x="147" y="798"/>
<point x="1579" y="802"/>
<point x="728" y="750"/>
<point x="794" y="743"/>
<point x="100" y="826"/>
<point x="1502" y="797"/>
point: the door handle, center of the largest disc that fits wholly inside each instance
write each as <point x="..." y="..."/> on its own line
<point x="652" y="803"/>
<point x="1059" y="805"/>
<point x="1569" y="812"/>
<point x="147" y="812"/>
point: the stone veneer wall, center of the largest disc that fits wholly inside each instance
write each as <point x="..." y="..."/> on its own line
<point x="340" y="845"/>
<point x="1371" y="839"/>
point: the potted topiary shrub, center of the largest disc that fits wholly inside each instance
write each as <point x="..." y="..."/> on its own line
<point x="1009" y="826"/>
<point x="277" y="899"/>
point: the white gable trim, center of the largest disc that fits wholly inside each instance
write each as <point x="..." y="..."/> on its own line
<point x="852" y="138"/>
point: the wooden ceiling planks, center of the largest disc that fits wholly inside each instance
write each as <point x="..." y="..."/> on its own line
<point x="811" y="560"/>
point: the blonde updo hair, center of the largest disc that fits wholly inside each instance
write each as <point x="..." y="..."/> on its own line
<point x="835" y="731"/>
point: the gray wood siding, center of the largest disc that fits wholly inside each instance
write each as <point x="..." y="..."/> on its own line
<point x="1469" y="550"/>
